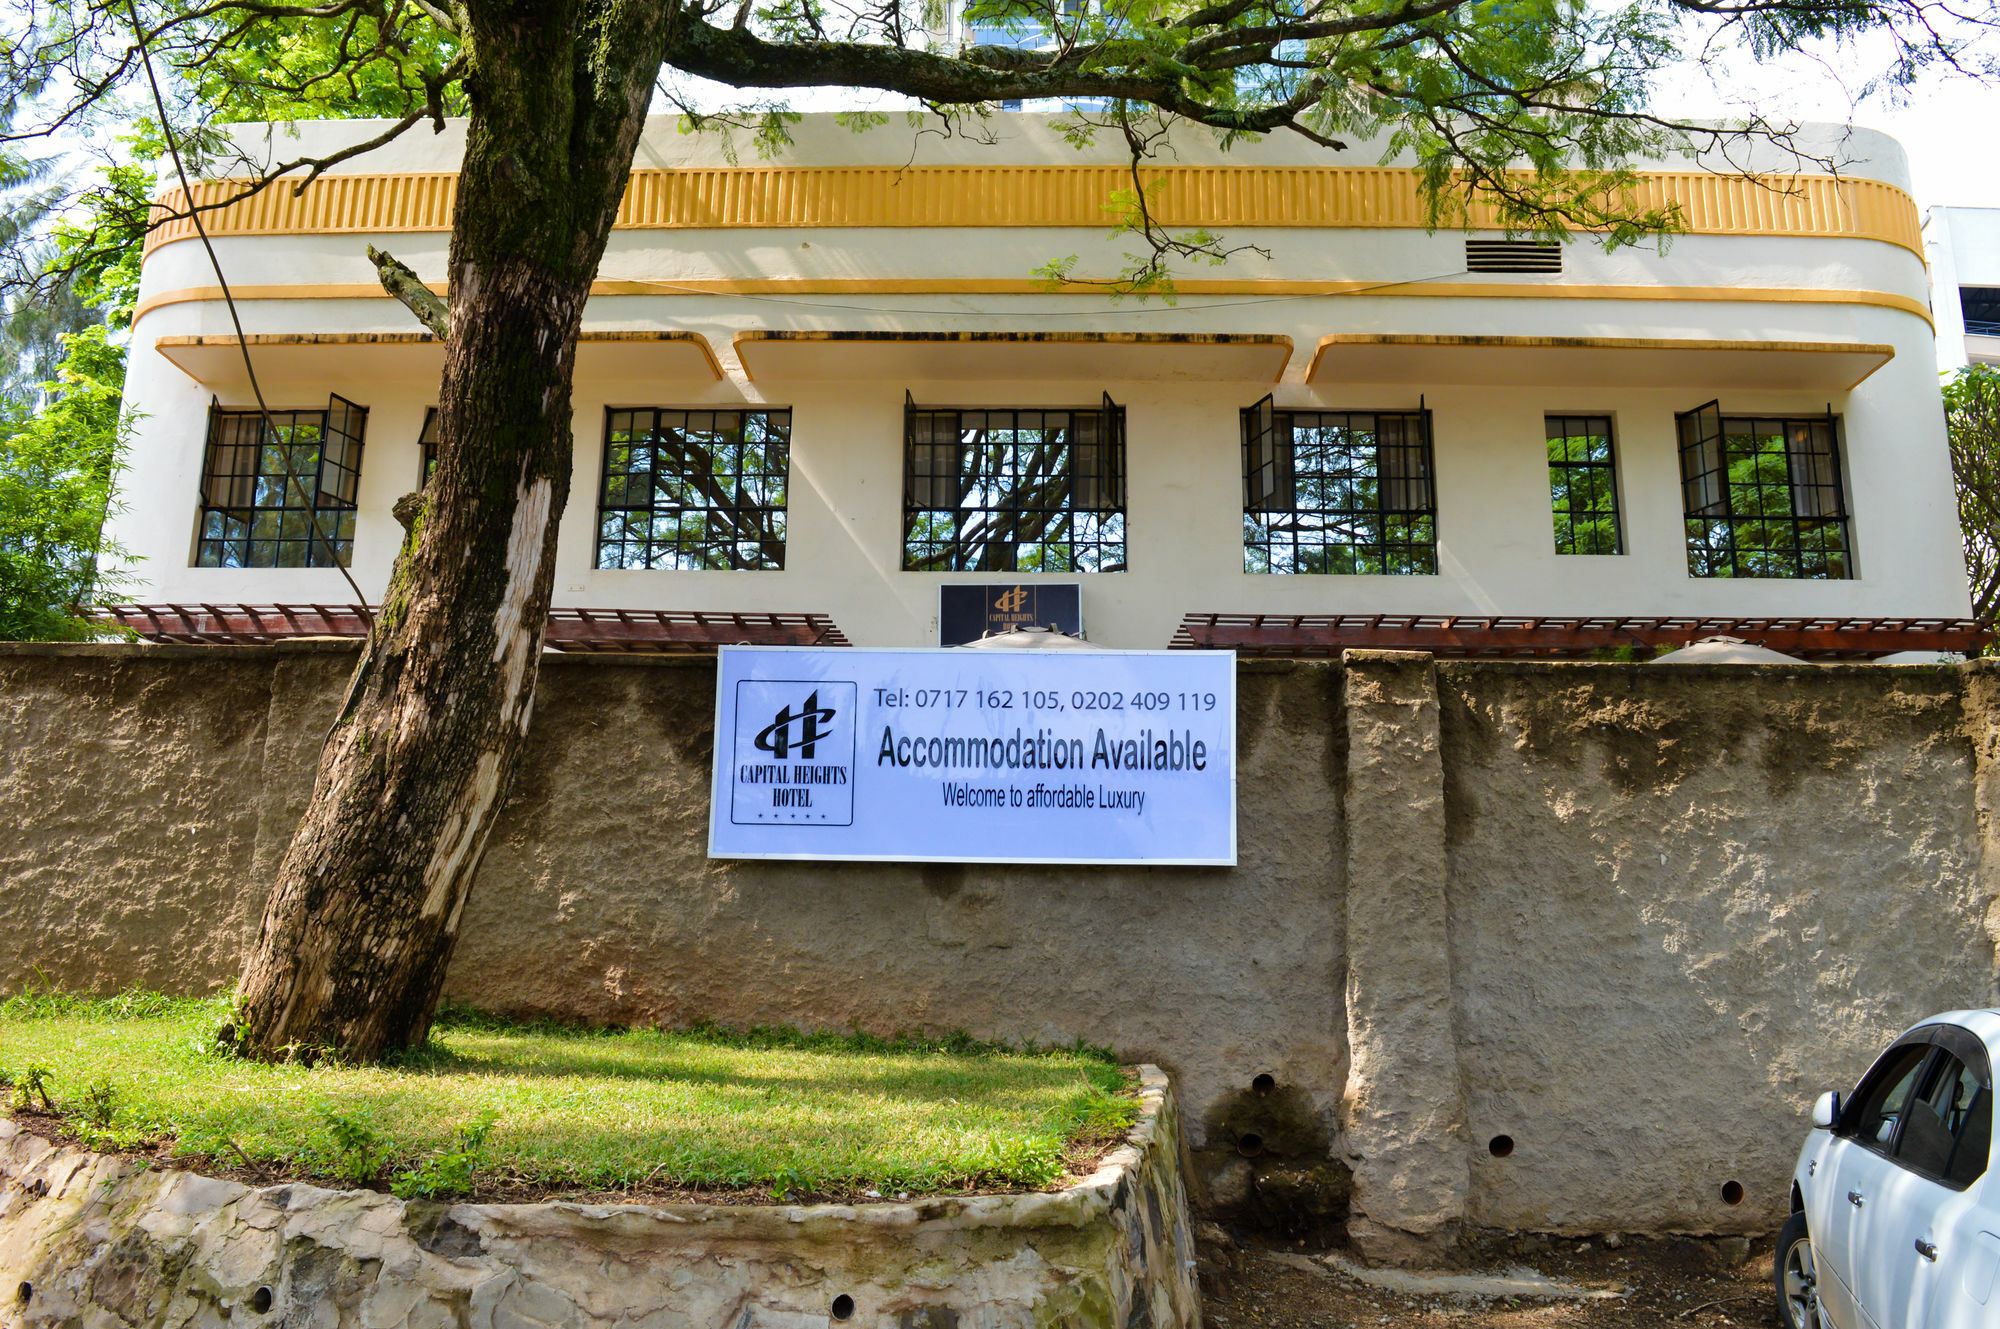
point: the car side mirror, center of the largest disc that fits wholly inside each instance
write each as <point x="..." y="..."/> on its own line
<point x="1827" y="1110"/>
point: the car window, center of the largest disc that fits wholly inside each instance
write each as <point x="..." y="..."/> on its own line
<point x="1935" y="1114"/>
<point x="1975" y="1141"/>
<point x="1879" y="1102"/>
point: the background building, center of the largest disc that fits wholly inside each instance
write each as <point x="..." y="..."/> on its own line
<point x="1964" y="249"/>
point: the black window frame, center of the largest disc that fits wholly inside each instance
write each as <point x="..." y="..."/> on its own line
<point x="767" y="527"/>
<point x="1711" y="519"/>
<point x="1979" y="310"/>
<point x="1271" y="488"/>
<point x="244" y="510"/>
<point x="1609" y="468"/>
<point x="942" y="534"/>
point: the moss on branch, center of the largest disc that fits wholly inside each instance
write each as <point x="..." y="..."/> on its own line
<point x="399" y="281"/>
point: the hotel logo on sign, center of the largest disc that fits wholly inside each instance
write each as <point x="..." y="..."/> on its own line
<point x="968" y="611"/>
<point x="778" y="738"/>
<point x="792" y="754"/>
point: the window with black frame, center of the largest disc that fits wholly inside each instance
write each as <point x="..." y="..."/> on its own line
<point x="1005" y="489"/>
<point x="1583" y="484"/>
<point x="1980" y="306"/>
<point x="1763" y="496"/>
<point x="1345" y="492"/>
<point x="280" y="493"/>
<point x="694" y="490"/>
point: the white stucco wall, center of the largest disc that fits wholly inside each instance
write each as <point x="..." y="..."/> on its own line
<point x="1496" y="552"/>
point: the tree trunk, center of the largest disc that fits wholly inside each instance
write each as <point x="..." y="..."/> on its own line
<point x="364" y="914"/>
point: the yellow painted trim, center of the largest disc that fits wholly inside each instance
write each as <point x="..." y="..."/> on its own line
<point x="1883" y="349"/>
<point x="1164" y="340"/>
<point x="336" y="339"/>
<point x="1366" y="197"/>
<point x="1021" y="286"/>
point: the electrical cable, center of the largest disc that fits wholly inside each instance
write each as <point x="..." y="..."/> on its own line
<point x="243" y="342"/>
<point x="1048" y="313"/>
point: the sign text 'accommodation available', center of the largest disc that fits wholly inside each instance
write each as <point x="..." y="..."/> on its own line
<point x="975" y="756"/>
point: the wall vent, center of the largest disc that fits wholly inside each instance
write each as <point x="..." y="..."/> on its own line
<point x="1513" y="256"/>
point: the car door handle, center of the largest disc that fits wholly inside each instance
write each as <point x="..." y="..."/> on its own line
<point x="1928" y="1251"/>
<point x="1854" y="1198"/>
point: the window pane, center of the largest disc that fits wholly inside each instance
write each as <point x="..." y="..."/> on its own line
<point x="1763" y="496"/>
<point x="1935" y="1115"/>
<point x="1975" y="1141"/>
<point x="1880" y="1102"/>
<point x="1004" y="490"/>
<point x="1583" y="491"/>
<point x="692" y="490"/>
<point x="264" y="484"/>
<point x="1346" y="493"/>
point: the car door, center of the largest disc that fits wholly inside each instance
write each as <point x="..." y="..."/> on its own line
<point x="1915" y="1202"/>
<point x="1906" y="1241"/>
<point x="1859" y="1173"/>
<point x="1954" y="1285"/>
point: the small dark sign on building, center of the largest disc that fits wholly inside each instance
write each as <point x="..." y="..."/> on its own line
<point x="967" y="612"/>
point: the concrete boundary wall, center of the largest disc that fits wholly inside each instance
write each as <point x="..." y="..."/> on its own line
<point x="1563" y="947"/>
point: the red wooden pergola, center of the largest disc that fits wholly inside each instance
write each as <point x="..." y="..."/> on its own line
<point x="645" y="630"/>
<point x="1307" y="635"/>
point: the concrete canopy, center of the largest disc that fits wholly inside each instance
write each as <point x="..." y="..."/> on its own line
<point x="1662" y="362"/>
<point x="1072" y="356"/>
<point x="295" y="362"/>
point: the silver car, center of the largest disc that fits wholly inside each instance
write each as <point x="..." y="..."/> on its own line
<point x="1895" y="1208"/>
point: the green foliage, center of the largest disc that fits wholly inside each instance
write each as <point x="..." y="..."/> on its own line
<point x="100" y="248"/>
<point x="1524" y="114"/>
<point x="1630" y="653"/>
<point x="41" y="999"/>
<point x="783" y="1111"/>
<point x="379" y="61"/>
<point x="33" y="193"/>
<point x="359" y="1148"/>
<point x="449" y="1171"/>
<point x="99" y="1107"/>
<point x="30" y="1084"/>
<point x="1972" y="418"/>
<point x="58" y="467"/>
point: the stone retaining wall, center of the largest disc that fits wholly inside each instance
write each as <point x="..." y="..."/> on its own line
<point x="1631" y="918"/>
<point x="89" y="1239"/>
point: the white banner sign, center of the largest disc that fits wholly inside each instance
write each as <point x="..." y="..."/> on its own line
<point x="975" y="756"/>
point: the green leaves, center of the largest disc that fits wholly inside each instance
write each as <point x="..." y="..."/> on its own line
<point x="449" y="1171"/>
<point x="359" y="1148"/>
<point x="57" y="468"/>
<point x="1972" y="418"/>
<point x="373" y="61"/>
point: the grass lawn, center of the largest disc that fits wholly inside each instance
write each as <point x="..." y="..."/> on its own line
<point x="509" y="1110"/>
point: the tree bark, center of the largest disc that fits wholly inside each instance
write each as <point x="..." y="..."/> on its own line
<point x="364" y="914"/>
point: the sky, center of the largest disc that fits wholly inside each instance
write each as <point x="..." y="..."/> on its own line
<point x="1949" y="126"/>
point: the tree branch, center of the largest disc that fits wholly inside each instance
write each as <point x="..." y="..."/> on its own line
<point x="399" y="281"/>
